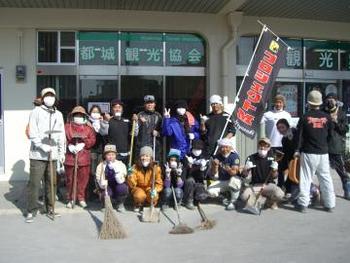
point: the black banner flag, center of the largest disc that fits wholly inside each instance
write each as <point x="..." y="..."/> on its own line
<point x="268" y="58"/>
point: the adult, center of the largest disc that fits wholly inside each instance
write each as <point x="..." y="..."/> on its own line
<point x="141" y="178"/>
<point x="47" y="137"/>
<point x="269" y="121"/>
<point x="149" y="123"/>
<point x="80" y="138"/>
<point x="337" y="139"/>
<point x="119" y="131"/>
<point x="111" y="176"/>
<point x="182" y="128"/>
<point x="212" y="126"/>
<point x="223" y="174"/>
<point x="260" y="171"/>
<point x="315" y="129"/>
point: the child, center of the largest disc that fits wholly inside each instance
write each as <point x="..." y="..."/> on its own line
<point x="111" y="174"/>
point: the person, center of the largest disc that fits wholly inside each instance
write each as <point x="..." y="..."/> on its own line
<point x="337" y="139"/>
<point x="182" y="128"/>
<point x="173" y="178"/>
<point x="195" y="169"/>
<point x="141" y="178"/>
<point x="315" y="129"/>
<point x="149" y="123"/>
<point x="111" y="177"/>
<point x="80" y="138"/>
<point x="47" y="137"/>
<point x="223" y="174"/>
<point x="269" y="130"/>
<point x="119" y="130"/>
<point x="100" y="126"/>
<point x="260" y="171"/>
<point x="212" y="126"/>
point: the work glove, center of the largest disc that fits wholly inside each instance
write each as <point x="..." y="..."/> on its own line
<point x="190" y="160"/>
<point x="191" y="136"/>
<point x="153" y="193"/>
<point x="296" y="154"/>
<point x="155" y="133"/>
<point x="96" y="125"/>
<point x="274" y="165"/>
<point x="203" y="164"/>
<point x="103" y="184"/>
<point x="72" y="148"/>
<point x="79" y="146"/>
<point x="249" y="165"/>
<point x="119" y="177"/>
<point x="167" y="170"/>
<point x="203" y="118"/>
<point x="46" y="148"/>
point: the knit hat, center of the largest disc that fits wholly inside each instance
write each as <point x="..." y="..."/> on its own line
<point x="280" y="98"/>
<point x="47" y="90"/>
<point x="198" y="144"/>
<point x="265" y="140"/>
<point x="174" y="153"/>
<point x="146" y="150"/>
<point x="331" y="95"/>
<point x="215" y="99"/>
<point x="78" y="109"/>
<point x="110" y="148"/>
<point x="225" y="142"/>
<point x="180" y="104"/>
<point x="117" y="101"/>
<point x="314" y="98"/>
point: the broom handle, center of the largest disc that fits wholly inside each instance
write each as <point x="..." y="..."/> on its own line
<point x="53" y="194"/>
<point x="201" y="212"/>
<point x="176" y="207"/>
<point x="132" y="141"/>
<point x="75" y="178"/>
<point x="153" y="179"/>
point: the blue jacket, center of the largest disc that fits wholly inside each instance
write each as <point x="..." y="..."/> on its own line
<point x="179" y="139"/>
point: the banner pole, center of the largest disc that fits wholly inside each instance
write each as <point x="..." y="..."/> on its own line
<point x="239" y="90"/>
<point x="278" y="38"/>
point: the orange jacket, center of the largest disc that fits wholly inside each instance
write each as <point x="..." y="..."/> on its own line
<point x="143" y="178"/>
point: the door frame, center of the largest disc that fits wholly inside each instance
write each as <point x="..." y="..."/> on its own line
<point x="2" y="141"/>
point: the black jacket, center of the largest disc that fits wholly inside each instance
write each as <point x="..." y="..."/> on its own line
<point x="118" y="134"/>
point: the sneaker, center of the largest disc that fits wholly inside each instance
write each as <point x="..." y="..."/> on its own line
<point x="137" y="210"/>
<point x="53" y="215"/>
<point x="29" y="218"/>
<point x="329" y="209"/>
<point x="69" y="204"/>
<point x="226" y="202"/>
<point x="189" y="205"/>
<point x="230" y="207"/>
<point x="274" y="206"/>
<point x="121" y="208"/>
<point x="83" y="204"/>
<point x="300" y="208"/>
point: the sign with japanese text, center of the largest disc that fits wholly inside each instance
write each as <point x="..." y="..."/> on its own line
<point x="105" y="106"/>
<point x="257" y="85"/>
<point x="98" y="48"/>
<point x="290" y="92"/>
<point x="184" y="50"/>
<point x="322" y="55"/>
<point x="294" y="55"/>
<point x="142" y="49"/>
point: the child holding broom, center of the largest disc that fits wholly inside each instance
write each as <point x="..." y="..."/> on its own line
<point x="111" y="174"/>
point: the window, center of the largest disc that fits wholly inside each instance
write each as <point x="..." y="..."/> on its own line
<point x="321" y="54"/>
<point x="56" y="47"/>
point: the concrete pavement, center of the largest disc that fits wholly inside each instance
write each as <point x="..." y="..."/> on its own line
<point x="279" y="235"/>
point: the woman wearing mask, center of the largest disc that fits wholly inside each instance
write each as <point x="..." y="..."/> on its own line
<point x="80" y="138"/>
<point x="182" y="128"/>
<point x="140" y="180"/>
<point x="100" y="126"/>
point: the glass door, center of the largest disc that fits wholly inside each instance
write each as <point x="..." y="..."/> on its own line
<point x="98" y="90"/>
<point x="2" y="153"/>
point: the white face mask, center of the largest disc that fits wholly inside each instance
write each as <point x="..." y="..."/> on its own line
<point x="196" y="152"/>
<point x="79" y="120"/>
<point x="181" y="111"/>
<point x="262" y="153"/>
<point x="145" y="163"/>
<point x="95" y="115"/>
<point x="49" y="101"/>
<point x="173" y="164"/>
<point x="118" y="114"/>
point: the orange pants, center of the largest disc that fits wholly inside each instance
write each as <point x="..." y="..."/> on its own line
<point x="141" y="196"/>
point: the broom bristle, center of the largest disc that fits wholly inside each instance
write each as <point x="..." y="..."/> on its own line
<point x="181" y="229"/>
<point x="207" y="224"/>
<point x="111" y="227"/>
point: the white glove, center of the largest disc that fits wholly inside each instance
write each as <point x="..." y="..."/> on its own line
<point x="166" y="113"/>
<point x="62" y="158"/>
<point x="46" y="148"/>
<point x="103" y="184"/>
<point x="96" y="125"/>
<point x="203" y="164"/>
<point x="191" y="136"/>
<point x="274" y="165"/>
<point x="296" y="154"/>
<point x="190" y="160"/>
<point x="72" y="148"/>
<point x="79" y="146"/>
<point x="204" y="118"/>
<point x="155" y="133"/>
<point x="167" y="170"/>
<point x="249" y="165"/>
<point x="119" y="178"/>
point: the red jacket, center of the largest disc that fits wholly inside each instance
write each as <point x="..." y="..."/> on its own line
<point x="86" y="135"/>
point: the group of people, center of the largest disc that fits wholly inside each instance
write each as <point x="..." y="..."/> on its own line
<point x="97" y="148"/>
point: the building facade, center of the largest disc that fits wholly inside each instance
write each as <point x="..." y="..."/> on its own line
<point x="173" y="49"/>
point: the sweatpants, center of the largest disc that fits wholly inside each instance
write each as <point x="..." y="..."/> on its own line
<point x="310" y="165"/>
<point x="83" y="175"/>
<point x="40" y="170"/>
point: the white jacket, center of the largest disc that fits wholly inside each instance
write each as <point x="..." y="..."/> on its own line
<point x="119" y="170"/>
<point x="39" y="129"/>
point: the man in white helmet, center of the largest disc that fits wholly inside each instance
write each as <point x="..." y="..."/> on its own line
<point x="315" y="129"/>
<point x="213" y="125"/>
<point x="47" y="136"/>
